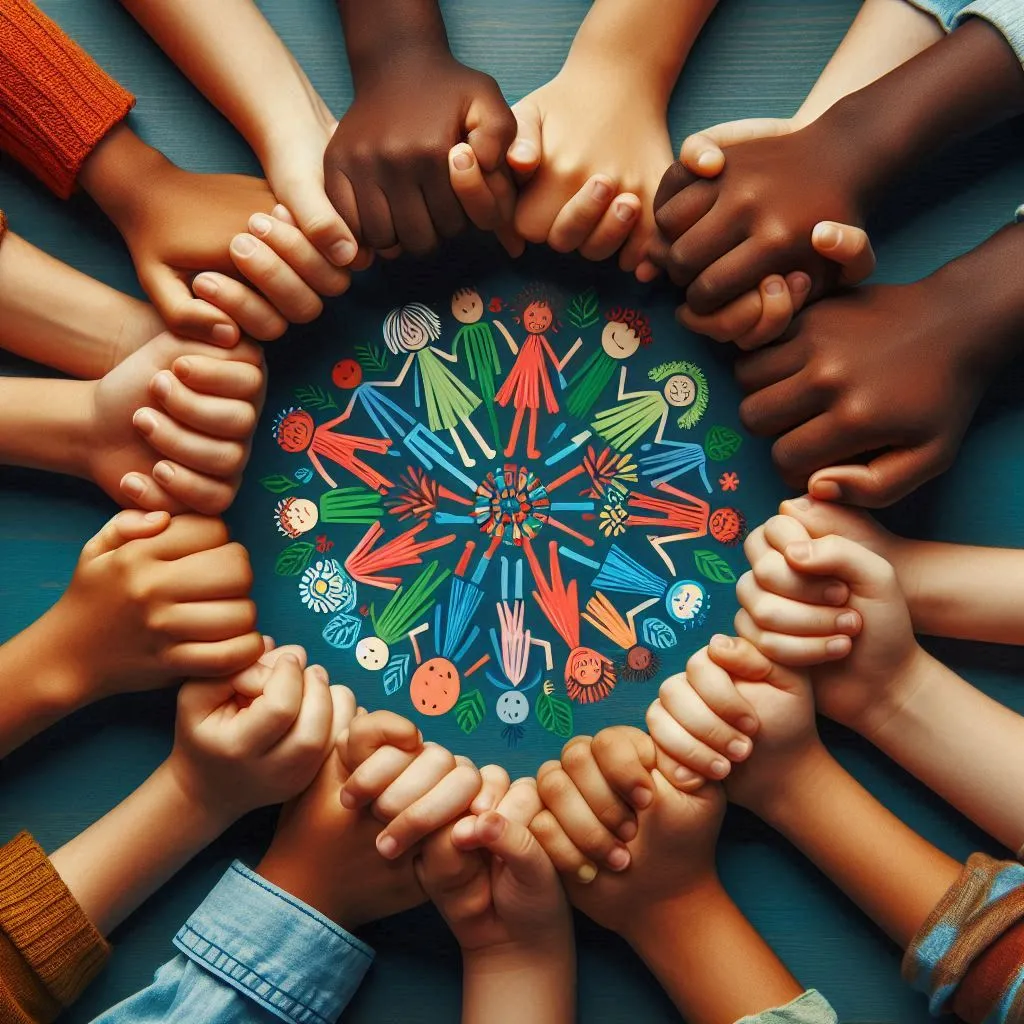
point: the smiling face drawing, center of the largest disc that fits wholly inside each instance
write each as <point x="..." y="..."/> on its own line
<point x="687" y="602"/>
<point x="537" y="317"/>
<point x="347" y="374"/>
<point x="296" y="516"/>
<point x="467" y="306"/>
<point x="680" y="390"/>
<point x="618" y="340"/>
<point x="372" y="653"/>
<point x="434" y="687"/>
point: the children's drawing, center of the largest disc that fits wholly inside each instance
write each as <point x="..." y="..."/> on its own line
<point x="488" y="542"/>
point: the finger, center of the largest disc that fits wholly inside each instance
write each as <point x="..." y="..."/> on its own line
<point x="524" y="155"/>
<point x="297" y="302"/>
<point x="684" y="727"/>
<point x="711" y="142"/>
<point x="491" y="127"/>
<point x="378" y="228"/>
<point x="269" y="717"/>
<point x="343" y="704"/>
<point x="719" y="693"/>
<point x="226" y="378"/>
<point x="141" y="491"/>
<point x="581" y="214"/>
<point x="494" y="784"/>
<point x="676" y="180"/>
<point x="847" y="245"/>
<point x="613" y="229"/>
<point x="253" y="314"/>
<point x="700" y="154"/>
<point x="213" y="660"/>
<point x="779" y="304"/>
<point x="735" y="272"/>
<point x="445" y="802"/>
<point x="292" y="246"/>
<point x="313" y="727"/>
<point x="192" y="491"/>
<point x="701" y="246"/>
<point x="780" y="531"/>
<point x="866" y="573"/>
<point x="311" y="211"/>
<point x="823" y="441"/>
<point x="516" y="846"/>
<point x="414" y="229"/>
<point x="342" y="197"/>
<point x="796" y="651"/>
<point x="182" y="311"/>
<point x="784" y="615"/>
<point x="228" y="418"/>
<point x="637" y="248"/>
<point x="209" y="621"/>
<point x="626" y="757"/>
<point x="418" y="779"/>
<point x="252" y="679"/>
<point x="522" y="802"/>
<point x="680" y="214"/>
<point x="580" y="823"/>
<point x="884" y="480"/>
<point x="186" y="535"/>
<point x="730" y="322"/>
<point x="212" y="456"/>
<point x="784" y="406"/>
<point x="740" y="658"/>
<point x="770" y="365"/>
<point x="561" y="851"/>
<point x="446" y="213"/>
<point x="471" y="189"/>
<point x="382" y="728"/>
<point x="126" y="526"/>
<point x="579" y="762"/>
<point x="373" y="776"/>
<point x="774" y="574"/>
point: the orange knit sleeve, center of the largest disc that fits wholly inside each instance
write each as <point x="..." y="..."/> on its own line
<point x="49" y="950"/>
<point x="56" y="103"/>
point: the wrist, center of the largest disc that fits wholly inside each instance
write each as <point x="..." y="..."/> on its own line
<point x="597" y="70"/>
<point x="681" y="913"/>
<point x="115" y="171"/>
<point x="552" y="953"/>
<point x="789" y="787"/>
<point x="212" y="812"/>
<point x="392" y="37"/>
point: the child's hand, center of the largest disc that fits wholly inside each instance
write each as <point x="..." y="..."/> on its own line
<point x="154" y="599"/>
<point x="672" y="852"/>
<point x="601" y="154"/>
<point x="492" y="881"/>
<point x="697" y="711"/>
<point x="720" y="238"/>
<point x="386" y="166"/>
<point x="287" y="274"/>
<point x="488" y="198"/>
<point x="256" y="739"/>
<point x="324" y="854"/>
<point x="411" y="786"/>
<point x="873" y="680"/>
<point x="195" y="404"/>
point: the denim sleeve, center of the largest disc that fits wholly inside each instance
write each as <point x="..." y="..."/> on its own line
<point x="251" y="954"/>
<point x="810" y="1008"/>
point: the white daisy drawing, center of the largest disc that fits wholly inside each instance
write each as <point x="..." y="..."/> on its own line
<point x="326" y="587"/>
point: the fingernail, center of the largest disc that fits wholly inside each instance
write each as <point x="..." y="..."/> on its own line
<point x="719" y="768"/>
<point x="260" y="224"/>
<point x="464" y="829"/>
<point x="627" y="831"/>
<point x="163" y="472"/>
<point x="684" y="774"/>
<point x="601" y="191"/>
<point x="836" y="593"/>
<point x="799" y="552"/>
<point x="801" y="503"/>
<point x="847" y="622"/>
<point x="773" y="288"/>
<point x="618" y="859"/>
<point x="721" y="642"/>
<point x="320" y="673"/>
<point x="161" y="386"/>
<point x="828" y="236"/>
<point x="145" y="422"/>
<point x="224" y="334"/>
<point x="463" y="160"/>
<point x="748" y="724"/>
<point x="154" y="517"/>
<point x="182" y="368"/>
<point x="343" y="252"/>
<point x="707" y="160"/>
<point x="387" y="846"/>
<point x="625" y="211"/>
<point x="348" y="800"/>
<point x="641" y="797"/>
<point x="827" y="490"/>
<point x="280" y="212"/>
<point x="837" y="646"/>
<point x="132" y="485"/>
<point x="738" y="748"/>
<point x="206" y="287"/>
<point x="586" y="874"/>
<point x="243" y="245"/>
<point x="800" y="283"/>
<point x="523" y="151"/>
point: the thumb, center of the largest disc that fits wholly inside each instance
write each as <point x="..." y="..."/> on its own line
<point x="525" y="153"/>
<point x="316" y="217"/>
<point x="343" y="701"/>
<point x="490" y="129"/>
<point x="867" y="574"/>
<point x="182" y="311"/>
<point x="514" y="844"/>
<point x="251" y="681"/>
<point x="701" y="153"/>
<point x="885" y="479"/>
<point x="847" y="245"/>
<point x="129" y="525"/>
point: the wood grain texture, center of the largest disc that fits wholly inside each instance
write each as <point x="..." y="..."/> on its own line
<point x="756" y="57"/>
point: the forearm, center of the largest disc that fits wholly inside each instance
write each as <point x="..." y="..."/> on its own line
<point x="44" y="424"/>
<point x="503" y="986"/>
<point x="114" y="170"/>
<point x="963" y="745"/>
<point x="56" y="315"/>
<point x="115" y="864"/>
<point x="884" y="35"/>
<point x="886" y="868"/>
<point x="710" y="960"/>
<point x="616" y="36"/>
<point x="269" y="106"/>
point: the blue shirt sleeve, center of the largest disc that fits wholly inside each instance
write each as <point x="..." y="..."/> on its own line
<point x="251" y="954"/>
<point x="1006" y="15"/>
<point x="810" y="1008"/>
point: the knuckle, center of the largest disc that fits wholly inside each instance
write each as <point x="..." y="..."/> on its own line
<point x="576" y="754"/>
<point x="555" y="787"/>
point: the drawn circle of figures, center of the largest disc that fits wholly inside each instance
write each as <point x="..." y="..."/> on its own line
<point x="438" y="490"/>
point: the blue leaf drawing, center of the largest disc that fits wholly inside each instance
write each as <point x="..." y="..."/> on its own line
<point x="343" y="631"/>
<point x="304" y="474"/>
<point x="659" y="635"/>
<point x="396" y="673"/>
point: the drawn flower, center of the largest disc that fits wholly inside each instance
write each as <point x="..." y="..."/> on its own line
<point x="729" y="481"/>
<point x="496" y="305"/>
<point x="323" y="544"/>
<point x="326" y="587"/>
<point x="612" y="520"/>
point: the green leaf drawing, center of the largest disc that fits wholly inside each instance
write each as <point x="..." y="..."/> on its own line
<point x="554" y="714"/>
<point x="372" y="358"/>
<point x="470" y="711"/>
<point x="278" y="483"/>
<point x="584" y="310"/>
<point x="314" y="397"/>
<point x="722" y="443"/>
<point x="294" y="559"/>
<point x="714" y="567"/>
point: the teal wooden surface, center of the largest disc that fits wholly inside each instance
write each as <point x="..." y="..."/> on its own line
<point x="756" y="57"/>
